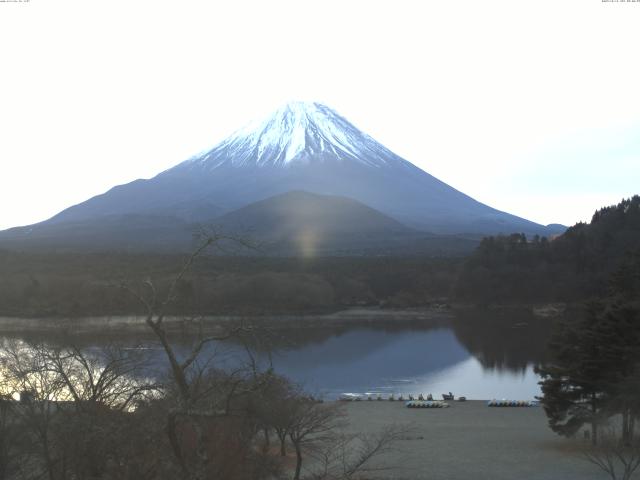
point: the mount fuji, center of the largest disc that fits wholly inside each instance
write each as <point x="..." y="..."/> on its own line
<point x="301" y="147"/>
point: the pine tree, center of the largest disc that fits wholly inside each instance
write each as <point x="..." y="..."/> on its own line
<point x="574" y="385"/>
<point x="595" y="372"/>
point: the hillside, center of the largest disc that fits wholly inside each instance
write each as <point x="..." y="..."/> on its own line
<point x="306" y="224"/>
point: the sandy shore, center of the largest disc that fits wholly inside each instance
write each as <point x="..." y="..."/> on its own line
<point x="472" y="441"/>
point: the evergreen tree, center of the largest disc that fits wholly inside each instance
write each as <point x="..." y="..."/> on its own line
<point x="574" y="385"/>
<point x="595" y="373"/>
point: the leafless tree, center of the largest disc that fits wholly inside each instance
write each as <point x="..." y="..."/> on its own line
<point x="10" y="437"/>
<point x="349" y="456"/>
<point x="616" y="457"/>
<point x="108" y="377"/>
<point x="319" y="431"/>
<point x="156" y="307"/>
<point x="204" y="395"/>
<point x="74" y="404"/>
<point x="26" y="374"/>
<point x="276" y="408"/>
<point x="311" y="426"/>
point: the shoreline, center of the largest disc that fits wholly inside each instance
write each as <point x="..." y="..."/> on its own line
<point x="350" y="316"/>
<point x="125" y="324"/>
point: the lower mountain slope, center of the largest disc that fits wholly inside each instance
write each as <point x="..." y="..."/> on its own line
<point x="294" y="224"/>
<point x="130" y="232"/>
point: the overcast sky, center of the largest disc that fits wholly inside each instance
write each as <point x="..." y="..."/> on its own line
<point x="532" y="107"/>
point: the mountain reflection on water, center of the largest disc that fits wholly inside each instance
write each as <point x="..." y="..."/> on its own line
<point x="495" y="361"/>
<point x="480" y="355"/>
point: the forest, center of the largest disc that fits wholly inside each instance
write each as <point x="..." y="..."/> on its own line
<point x="41" y="285"/>
<point x="572" y="267"/>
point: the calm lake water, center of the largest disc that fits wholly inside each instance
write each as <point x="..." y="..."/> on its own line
<point x="410" y="361"/>
<point x="480" y="358"/>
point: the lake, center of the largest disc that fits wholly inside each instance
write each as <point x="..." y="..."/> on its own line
<point x="401" y="361"/>
<point x="478" y="355"/>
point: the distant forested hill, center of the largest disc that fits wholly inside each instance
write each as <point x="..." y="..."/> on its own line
<point x="573" y="266"/>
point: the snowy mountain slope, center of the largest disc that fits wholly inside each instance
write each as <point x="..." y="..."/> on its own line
<point x="308" y="147"/>
<point x="298" y="132"/>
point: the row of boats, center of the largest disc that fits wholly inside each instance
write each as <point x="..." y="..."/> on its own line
<point x="490" y="403"/>
<point x="512" y="403"/>
<point x="355" y="397"/>
<point x="421" y="401"/>
<point x="427" y="404"/>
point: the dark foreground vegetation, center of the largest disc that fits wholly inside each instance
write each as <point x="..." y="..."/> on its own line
<point x="96" y="415"/>
<point x="87" y="414"/>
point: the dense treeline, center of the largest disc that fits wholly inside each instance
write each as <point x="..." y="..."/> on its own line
<point x="572" y="267"/>
<point x="90" y="284"/>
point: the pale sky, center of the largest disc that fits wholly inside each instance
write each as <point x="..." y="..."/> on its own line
<point x="532" y="107"/>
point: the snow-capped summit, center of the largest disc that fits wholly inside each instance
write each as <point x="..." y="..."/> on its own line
<point x="298" y="132"/>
